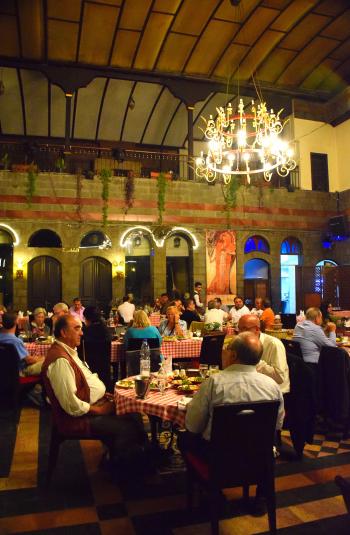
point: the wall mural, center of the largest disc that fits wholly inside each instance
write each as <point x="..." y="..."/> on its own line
<point x="221" y="264"/>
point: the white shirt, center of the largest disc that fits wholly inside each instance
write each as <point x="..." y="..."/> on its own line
<point x="214" y="315"/>
<point x="126" y="310"/>
<point x="62" y="378"/>
<point x="257" y="312"/>
<point x="274" y="361"/>
<point x="197" y="300"/>
<point x="237" y="314"/>
<point x="236" y="384"/>
<point x="78" y="314"/>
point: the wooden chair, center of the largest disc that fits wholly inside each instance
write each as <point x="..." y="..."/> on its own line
<point x="240" y="454"/>
<point x="292" y="346"/>
<point x="12" y="385"/>
<point x="97" y="353"/>
<point x="211" y="349"/>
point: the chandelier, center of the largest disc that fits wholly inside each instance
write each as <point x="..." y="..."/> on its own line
<point x="244" y="144"/>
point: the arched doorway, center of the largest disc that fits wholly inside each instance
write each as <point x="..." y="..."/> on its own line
<point x="179" y="278"/>
<point x="256" y="279"/>
<point x="6" y="268"/>
<point x="95" y="285"/>
<point x="44" y="282"/>
<point x="291" y="251"/>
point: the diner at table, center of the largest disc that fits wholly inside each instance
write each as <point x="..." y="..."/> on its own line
<point x="172" y="325"/>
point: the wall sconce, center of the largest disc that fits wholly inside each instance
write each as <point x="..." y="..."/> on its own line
<point x="19" y="274"/>
<point x="119" y="269"/>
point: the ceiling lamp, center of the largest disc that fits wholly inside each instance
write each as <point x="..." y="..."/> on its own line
<point x="244" y="144"/>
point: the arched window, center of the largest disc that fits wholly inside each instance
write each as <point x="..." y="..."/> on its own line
<point x="95" y="239"/>
<point x="44" y="238"/>
<point x="256" y="243"/>
<point x="5" y="237"/>
<point x="256" y="269"/>
<point x="320" y="274"/>
<point x="291" y="246"/>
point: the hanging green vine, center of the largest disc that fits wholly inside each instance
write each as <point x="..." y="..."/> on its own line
<point x="129" y="190"/>
<point x="230" y="195"/>
<point x="105" y="178"/>
<point x="161" y="185"/>
<point x="31" y="183"/>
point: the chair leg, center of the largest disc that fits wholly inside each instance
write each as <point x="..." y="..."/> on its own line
<point x="271" y="507"/>
<point x="189" y="490"/>
<point x="55" y="443"/>
<point x="214" y="511"/>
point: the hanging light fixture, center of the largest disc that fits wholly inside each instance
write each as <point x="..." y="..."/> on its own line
<point x="243" y="144"/>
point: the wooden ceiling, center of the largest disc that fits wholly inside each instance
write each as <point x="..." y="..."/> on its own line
<point x="297" y="44"/>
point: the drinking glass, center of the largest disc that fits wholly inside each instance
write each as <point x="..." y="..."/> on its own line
<point x="198" y="333"/>
<point x="213" y="368"/>
<point x="183" y="373"/>
<point x="203" y="370"/>
<point x="162" y="383"/>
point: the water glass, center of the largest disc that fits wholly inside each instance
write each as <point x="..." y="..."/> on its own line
<point x="213" y="368"/>
<point x="198" y="333"/>
<point x="162" y="383"/>
<point x="203" y="370"/>
<point x="183" y="373"/>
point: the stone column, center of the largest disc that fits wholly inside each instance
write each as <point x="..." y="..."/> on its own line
<point x="158" y="271"/>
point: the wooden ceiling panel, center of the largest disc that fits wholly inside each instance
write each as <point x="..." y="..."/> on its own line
<point x="64" y="9"/>
<point x="344" y="71"/>
<point x="317" y="76"/>
<point x="134" y="14"/>
<point x="62" y="40"/>
<point x="110" y="2"/>
<point x="214" y="40"/>
<point x="306" y="61"/>
<point x="230" y="61"/>
<point x="191" y="18"/>
<point x="255" y="25"/>
<point x="152" y="39"/>
<point x="236" y="14"/>
<point x="304" y="31"/>
<point x="276" y="4"/>
<point x="342" y="52"/>
<point x="258" y="53"/>
<point x="168" y="60"/>
<point x="9" y="45"/>
<point x="340" y="28"/>
<point x="334" y="83"/>
<point x="31" y="28"/>
<point x="97" y="33"/>
<point x="275" y="64"/>
<point x="331" y="8"/>
<point x="166" y="6"/>
<point x="125" y="48"/>
<point x="294" y="12"/>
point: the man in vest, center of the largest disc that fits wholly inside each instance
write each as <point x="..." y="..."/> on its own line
<point x="79" y="401"/>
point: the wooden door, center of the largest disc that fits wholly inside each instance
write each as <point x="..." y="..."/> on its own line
<point x="256" y="288"/>
<point x="44" y="282"/>
<point x="96" y="282"/>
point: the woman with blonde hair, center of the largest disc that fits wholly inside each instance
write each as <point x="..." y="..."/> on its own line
<point x="38" y="326"/>
<point x="141" y="328"/>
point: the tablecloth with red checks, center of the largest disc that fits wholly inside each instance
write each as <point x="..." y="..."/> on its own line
<point x="165" y="406"/>
<point x="179" y="349"/>
<point x="155" y="319"/>
<point x="37" y="349"/>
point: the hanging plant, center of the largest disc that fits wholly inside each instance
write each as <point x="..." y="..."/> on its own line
<point x="129" y="190"/>
<point x="105" y="178"/>
<point x="5" y="161"/>
<point x="31" y="183"/>
<point x="161" y="185"/>
<point x="230" y="195"/>
<point x="60" y="164"/>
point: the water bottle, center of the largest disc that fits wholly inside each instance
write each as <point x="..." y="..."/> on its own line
<point x="145" y="359"/>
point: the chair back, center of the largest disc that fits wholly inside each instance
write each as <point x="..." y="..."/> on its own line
<point x="136" y="343"/>
<point x="211" y="349"/>
<point x="334" y="383"/>
<point x="9" y="377"/>
<point x="133" y="361"/>
<point x="197" y="326"/>
<point x="241" y="445"/>
<point x="289" y="320"/>
<point x="97" y="354"/>
<point x="292" y="346"/>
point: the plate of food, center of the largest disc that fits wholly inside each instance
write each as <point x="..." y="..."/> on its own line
<point x="125" y="383"/>
<point x="169" y="338"/>
<point x="188" y="388"/>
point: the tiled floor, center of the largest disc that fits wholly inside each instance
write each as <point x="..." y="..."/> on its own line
<point x="84" y="500"/>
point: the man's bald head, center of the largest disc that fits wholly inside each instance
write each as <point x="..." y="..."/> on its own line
<point x="250" y="323"/>
<point x="247" y="349"/>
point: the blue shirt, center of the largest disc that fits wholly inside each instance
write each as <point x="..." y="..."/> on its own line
<point x="9" y="338"/>
<point x="165" y="330"/>
<point x="146" y="332"/>
<point x="312" y="338"/>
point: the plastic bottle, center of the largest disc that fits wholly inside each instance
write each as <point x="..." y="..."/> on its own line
<point x="145" y="359"/>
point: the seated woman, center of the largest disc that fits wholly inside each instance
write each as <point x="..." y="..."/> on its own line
<point x="172" y="325"/>
<point x="95" y="326"/>
<point x="37" y="326"/>
<point x="95" y="347"/>
<point x="141" y="328"/>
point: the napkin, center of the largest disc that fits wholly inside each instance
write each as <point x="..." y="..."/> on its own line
<point x="183" y="402"/>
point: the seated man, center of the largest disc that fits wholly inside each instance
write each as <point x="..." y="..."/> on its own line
<point x="79" y="400"/>
<point x="214" y="314"/>
<point x="268" y="315"/>
<point x="238" y="310"/>
<point x="239" y="382"/>
<point x="172" y="325"/>
<point x="77" y="309"/>
<point x="126" y="310"/>
<point x="273" y="360"/>
<point x="311" y="337"/>
<point x="258" y="309"/>
<point x="29" y="364"/>
<point x="190" y="313"/>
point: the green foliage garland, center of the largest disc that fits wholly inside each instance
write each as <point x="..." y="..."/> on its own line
<point x="230" y="195"/>
<point x="31" y="183"/>
<point x="161" y="185"/>
<point x="105" y="178"/>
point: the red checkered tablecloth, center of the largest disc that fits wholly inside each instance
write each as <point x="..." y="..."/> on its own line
<point x="181" y="349"/>
<point x="37" y="349"/>
<point x="155" y="319"/>
<point x="165" y="406"/>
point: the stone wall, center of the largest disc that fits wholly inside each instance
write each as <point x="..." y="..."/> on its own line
<point x="72" y="207"/>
